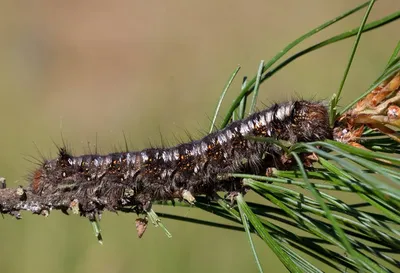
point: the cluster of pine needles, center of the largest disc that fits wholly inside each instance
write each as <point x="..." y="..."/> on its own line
<point x="346" y="207"/>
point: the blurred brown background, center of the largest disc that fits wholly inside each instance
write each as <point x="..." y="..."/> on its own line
<point x="87" y="68"/>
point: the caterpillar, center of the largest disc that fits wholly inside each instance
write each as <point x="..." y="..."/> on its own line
<point x="139" y="178"/>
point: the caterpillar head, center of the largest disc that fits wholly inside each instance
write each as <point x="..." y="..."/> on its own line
<point x="51" y="173"/>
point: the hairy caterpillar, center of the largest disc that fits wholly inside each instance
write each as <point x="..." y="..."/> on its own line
<point x="138" y="178"/>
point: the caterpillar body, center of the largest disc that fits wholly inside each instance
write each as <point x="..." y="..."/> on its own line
<point x="139" y="178"/>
